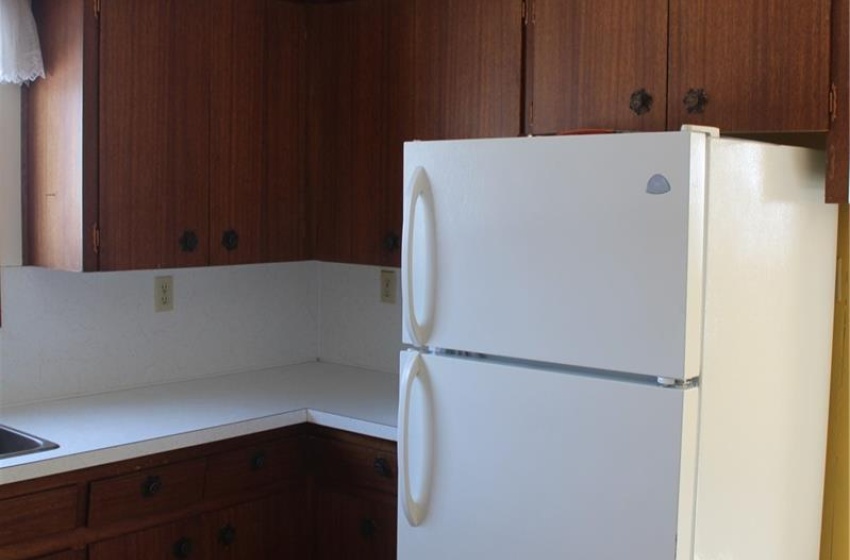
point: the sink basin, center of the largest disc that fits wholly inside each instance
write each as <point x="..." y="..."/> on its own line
<point x="14" y="442"/>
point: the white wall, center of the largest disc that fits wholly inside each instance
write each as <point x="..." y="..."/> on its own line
<point x="66" y="334"/>
<point x="10" y="174"/>
<point x="355" y="327"/>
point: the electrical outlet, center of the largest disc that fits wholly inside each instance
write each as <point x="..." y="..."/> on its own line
<point x="163" y="293"/>
<point x="388" y="286"/>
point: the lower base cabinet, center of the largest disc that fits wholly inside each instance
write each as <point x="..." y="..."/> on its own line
<point x="274" y="527"/>
<point x="183" y="539"/>
<point x="67" y="555"/>
<point x="353" y="527"/>
<point x="301" y="492"/>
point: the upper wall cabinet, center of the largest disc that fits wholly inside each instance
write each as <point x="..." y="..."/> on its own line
<point x="740" y="65"/>
<point x="148" y="144"/>
<point x="359" y="114"/>
<point x="750" y="65"/>
<point x="468" y="68"/>
<point x="597" y="64"/>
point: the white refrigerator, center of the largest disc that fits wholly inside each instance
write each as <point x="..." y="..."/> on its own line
<point x="618" y="348"/>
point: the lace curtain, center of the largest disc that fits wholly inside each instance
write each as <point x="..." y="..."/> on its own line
<point x="20" y="54"/>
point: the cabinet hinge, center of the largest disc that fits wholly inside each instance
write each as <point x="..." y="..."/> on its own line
<point x="833" y="102"/>
<point x="95" y="238"/>
<point x="96" y="6"/>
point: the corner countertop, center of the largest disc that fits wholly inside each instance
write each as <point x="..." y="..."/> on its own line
<point x="109" y="427"/>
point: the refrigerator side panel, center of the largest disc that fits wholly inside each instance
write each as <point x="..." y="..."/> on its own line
<point x="688" y="475"/>
<point x="529" y="463"/>
<point x="585" y="251"/>
<point x="770" y="250"/>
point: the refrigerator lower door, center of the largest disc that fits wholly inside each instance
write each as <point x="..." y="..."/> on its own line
<point x="503" y="462"/>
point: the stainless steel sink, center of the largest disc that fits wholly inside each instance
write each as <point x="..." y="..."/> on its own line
<point x="15" y="442"/>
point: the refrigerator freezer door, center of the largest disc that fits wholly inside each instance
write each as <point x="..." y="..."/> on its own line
<point x="540" y="248"/>
<point x="502" y="462"/>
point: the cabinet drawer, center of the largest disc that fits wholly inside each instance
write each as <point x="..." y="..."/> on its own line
<point x="253" y="467"/>
<point x="356" y="465"/>
<point x="67" y="555"/>
<point x="152" y="491"/>
<point x="181" y="539"/>
<point x="39" y="514"/>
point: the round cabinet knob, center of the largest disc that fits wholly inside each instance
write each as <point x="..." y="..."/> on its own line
<point x="368" y="528"/>
<point x="382" y="467"/>
<point x="230" y="239"/>
<point x="640" y="102"/>
<point x="227" y="535"/>
<point x="392" y="241"/>
<point x="182" y="548"/>
<point x="151" y="486"/>
<point x="258" y="460"/>
<point x="188" y="241"/>
<point x="695" y="100"/>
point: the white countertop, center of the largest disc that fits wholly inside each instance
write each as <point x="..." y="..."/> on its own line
<point x="100" y="429"/>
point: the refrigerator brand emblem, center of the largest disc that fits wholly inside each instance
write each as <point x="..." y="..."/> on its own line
<point x="658" y="184"/>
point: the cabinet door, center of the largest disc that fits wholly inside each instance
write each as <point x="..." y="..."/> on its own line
<point x="237" y="118"/>
<point x="154" y="133"/>
<point x="354" y="527"/>
<point x="257" y="201"/>
<point x="763" y="65"/>
<point x="285" y="209"/>
<point x="468" y="68"/>
<point x="597" y="64"/>
<point x="274" y="527"/>
<point x="175" y="540"/>
<point x="356" y="103"/>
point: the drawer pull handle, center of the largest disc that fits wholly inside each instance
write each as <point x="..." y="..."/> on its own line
<point x="258" y="461"/>
<point x="151" y="486"/>
<point x="382" y="467"/>
<point x="227" y="535"/>
<point x="368" y="528"/>
<point x="182" y="548"/>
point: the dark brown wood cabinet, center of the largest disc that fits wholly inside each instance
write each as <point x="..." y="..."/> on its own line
<point x="353" y="526"/>
<point x="763" y="64"/>
<point x="154" y="132"/>
<point x="293" y="493"/>
<point x="266" y="528"/>
<point x="66" y="555"/>
<point x="468" y="69"/>
<point x="258" y="201"/>
<point x="356" y="480"/>
<point x="359" y="75"/>
<point x="148" y="145"/>
<point x="751" y="66"/>
<point x="180" y="539"/>
<point x="597" y="64"/>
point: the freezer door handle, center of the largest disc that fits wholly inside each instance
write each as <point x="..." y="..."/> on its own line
<point x="420" y="194"/>
<point x="414" y="511"/>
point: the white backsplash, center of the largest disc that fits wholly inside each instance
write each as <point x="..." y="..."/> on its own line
<point x="66" y="334"/>
<point x="355" y="327"/>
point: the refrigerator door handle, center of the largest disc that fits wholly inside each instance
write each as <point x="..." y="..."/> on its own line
<point x="420" y="191"/>
<point x="414" y="511"/>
